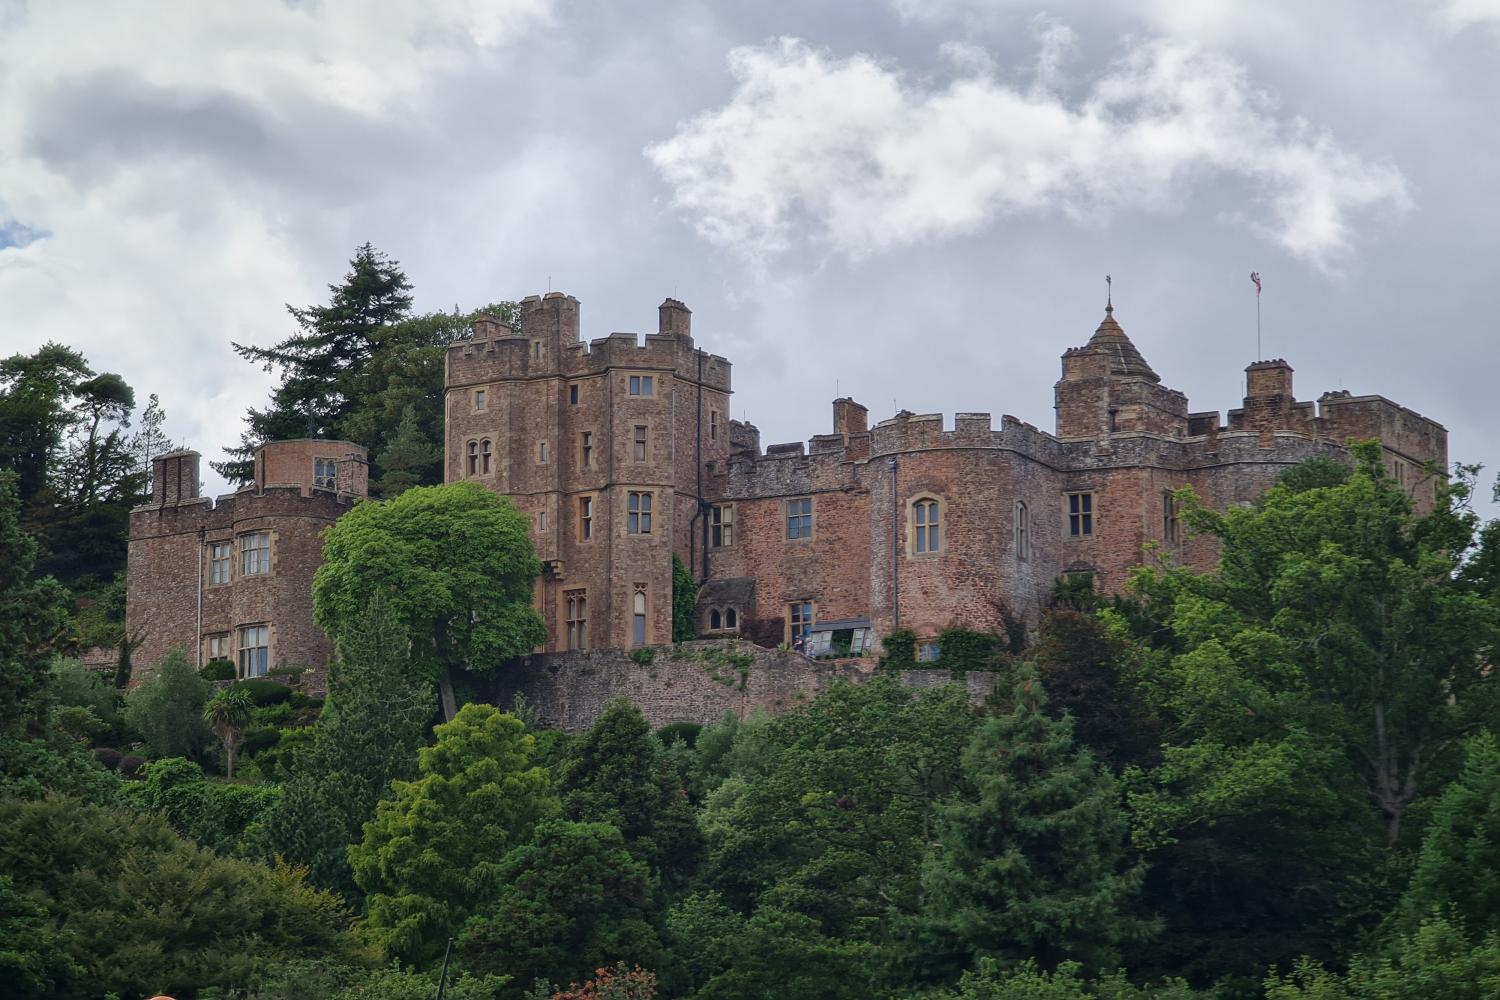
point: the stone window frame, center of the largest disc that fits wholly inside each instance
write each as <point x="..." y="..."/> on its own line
<point x="541" y="520"/>
<point x="536" y="351"/>
<point x="470" y="459"/>
<point x="215" y="561"/>
<point x="1081" y="515"/>
<point x="1021" y="530"/>
<point x="804" y="532"/>
<point x="220" y="641"/>
<point x="574" y="393"/>
<point x="586" y="449"/>
<point x="728" y="620"/>
<point x="541" y="453"/>
<point x="721" y="526"/>
<point x="265" y="566"/>
<point x="262" y="638"/>
<point x="1171" y="527"/>
<point x="479" y="401"/>
<point x="486" y="452"/>
<point x="928" y="650"/>
<point x="640" y="385"/>
<point x="640" y="616"/>
<point x="640" y="435"/>
<point x="645" y="509"/>
<point x="586" y="517"/>
<point x="575" y="614"/>
<point x="325" y="473"/>
<point x="713" y="425"/>
<point x="792" y="620"/>
<point x="913" y="541"/>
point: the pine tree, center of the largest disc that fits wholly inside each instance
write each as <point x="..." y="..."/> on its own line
<point x="1032" y="864"/>
<point x="408" y="460"/>
<point x="323" y="366"/>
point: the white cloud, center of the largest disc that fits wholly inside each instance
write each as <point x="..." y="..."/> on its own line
<point x="854" y="156"/>
<point x="1457" y="15"/>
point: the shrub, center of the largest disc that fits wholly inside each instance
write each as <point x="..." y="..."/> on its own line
<point x="217" y="670"/>
<point x="167" y="709"/>
<point x="264" y="691"/>
<point x="108" y="758"/>
<point x="900" y="650"/>
<point x="644" y="656"/>
<point x="130" y="765"/>
<point x="969" y="649"/>
<point x="212" y="813"/>
<point x="258" y="739"/>
<point x="685" y="731"/>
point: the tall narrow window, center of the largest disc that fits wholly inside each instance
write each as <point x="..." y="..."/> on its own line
<point x="1169" y="517"/>
<point x="255" y="553"/>
<point x="731" y="619"/>
<point x="715" y="620"/>
<point x="639" y="443"/>
<point x="325" y="474"/>
<point x="925" y="526"/>
<point x="573" y="395"/>
<point x="484" y="456"/>
<point x="586" y="449"/>
<point x="541" y="521"/>
<point x="585" y="518"/>
<point x="721" y="525"/>
<point x="799" y="622"/>
<point x="1023" y="531"/>
<point x="536" y="350"/>
<point x="218" y="562"/>
<point x="713" y="425"/>
<point x="638" y="514"/>
<point x="799" y="518"/>
<point x="255" y="650"/>
<point x="1080" y="514"/>
<point x="481" y="401"/>
<point x="577" y="619"/>
<point x="638" y="615"/>
<point x="473" y="458"/>
<point x="541" y="452"/>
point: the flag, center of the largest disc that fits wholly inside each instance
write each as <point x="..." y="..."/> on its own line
<point x="1255" y="280"/>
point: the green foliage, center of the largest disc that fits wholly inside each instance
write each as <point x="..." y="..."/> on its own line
<point x="1034" y="863"/>
<point x="264" y="692"/>
<point x="217" y="670"/>
<point x="228" y="715"/>
<point x="33" y="617"/>
<point x="71" y="683"/>
<point x="900" y="650"/>
<point x="1439" y="961"/>
<point x="167" y="709"/>
<point x="643" y="655"/>
<point x="139" y="910"/>
<point x="321" y="979"/>
<point x="569" y="902"/>
<point x="786" y="955"/>
<point x="1458" y="870"/>
<point x="684" y="603"/>
<point x="455" y="566"/>
<point x="214" y="814"/>
<point x="617" y="774"/>
<point x="32" y="957"/>
<point x="970" y="649"/>
<point x="618" y="983"/>
<point x="407" y="459"/>
<point x="991" y="981"/>
<point x="433" y="852"/>
<point x="374" y="720"/>
<point x="1315" y="473"/>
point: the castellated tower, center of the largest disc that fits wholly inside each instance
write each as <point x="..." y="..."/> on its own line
<point x="609" y="446"/>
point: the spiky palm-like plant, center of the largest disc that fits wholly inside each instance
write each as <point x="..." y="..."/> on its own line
<point x="229" y="714"/>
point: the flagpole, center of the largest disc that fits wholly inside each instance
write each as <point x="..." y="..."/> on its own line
<point x="1258" y="351"/>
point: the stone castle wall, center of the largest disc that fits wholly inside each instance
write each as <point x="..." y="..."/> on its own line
<point x="692" y="682"/>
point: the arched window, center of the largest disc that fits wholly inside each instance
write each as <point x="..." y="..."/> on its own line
<point x="484" y="456"/>
<point x="925" y="526"/>
<point x="731" y="620"/>
<point x="1023" y="531"/>
<point x="473" y="458"/>
<point x="715" y="620"/>
<point x="638" y="619"/>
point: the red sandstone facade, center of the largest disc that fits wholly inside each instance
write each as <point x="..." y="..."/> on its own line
<point x="904" y="524"/>
<point x="232" y="579"/>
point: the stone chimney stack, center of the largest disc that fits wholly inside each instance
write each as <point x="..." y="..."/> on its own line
<point x="174" y="478"/>
<point x="674" y="318"/>
<point x="849" y="417"/>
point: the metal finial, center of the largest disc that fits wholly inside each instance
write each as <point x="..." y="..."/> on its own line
<point x="1109" y="296"/>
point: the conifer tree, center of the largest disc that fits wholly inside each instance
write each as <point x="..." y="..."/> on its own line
<point x="408" y="460"/>
<point x="1033" y="863"/>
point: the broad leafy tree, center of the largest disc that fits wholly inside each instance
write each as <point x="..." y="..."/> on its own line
<point x="434" y="852"/>
<point x="455" y="567"/>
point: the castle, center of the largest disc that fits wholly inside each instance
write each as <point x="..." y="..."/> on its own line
<point x="621" y="452"/>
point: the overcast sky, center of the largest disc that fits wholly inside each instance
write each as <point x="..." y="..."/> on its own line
<point x="913" y="202"/>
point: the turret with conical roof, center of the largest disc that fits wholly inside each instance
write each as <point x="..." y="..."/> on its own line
<point x="1108" y="387"/>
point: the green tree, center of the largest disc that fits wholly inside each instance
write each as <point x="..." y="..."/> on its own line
<point x="214" y="814"/>
<point x="228" y="714"/>
<point x="167" y="709"/>
<point x="1458" y="870"/>
<point x="571" y="901"/>
<point x="1034" y="864"/>
<point x="322" y="365"/>
<point x="993" y="981"/>
<point x="145" y="910"/>
<point x="372" y="724"/>
<point x="434" y="851"/>
<point x="407" y="460"/>
<point x="32" y="617"/>
<point x="787" y="955"/>
<point x="684" y="603"/>
<point x="35" y="416"/>
<point x="32" y="957"/>
<point x="616" y="773"/>
<point x="1440" y="960"/>
<point x="454" y="564"/>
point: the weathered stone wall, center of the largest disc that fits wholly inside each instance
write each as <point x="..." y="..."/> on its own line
<point x="693" y="682"/>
